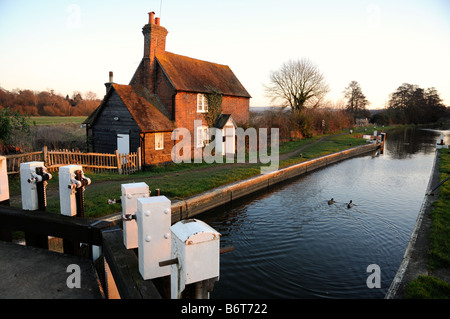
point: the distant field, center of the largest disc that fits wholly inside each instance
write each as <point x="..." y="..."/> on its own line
<point x="56" y="120"/>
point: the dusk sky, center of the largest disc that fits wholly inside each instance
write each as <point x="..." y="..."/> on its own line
<point x="71" y="46"/>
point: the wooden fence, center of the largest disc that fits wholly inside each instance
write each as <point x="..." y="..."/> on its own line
<point x="13" y="161"/>
<point x="97" y="162"/>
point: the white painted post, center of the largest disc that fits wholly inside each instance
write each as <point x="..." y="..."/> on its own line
<point x="67" y="198"/>
<point x="196" y="246"/>
<point x="28" y="187"/>
<point x="4" y="186"/>
<point x="130" y="193"/>
<point x="67" y="185"/>
<point x="153" y="220"/>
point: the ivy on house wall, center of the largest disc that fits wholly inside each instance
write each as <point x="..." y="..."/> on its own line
<point x="214" y="105"/>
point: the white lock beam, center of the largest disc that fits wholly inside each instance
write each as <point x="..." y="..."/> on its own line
<point x="28" y="187"/>
<point x="153" y="219"/>
<point x="130" y="193"/>
<point x="4" y="186"/>
<point x="196" y="246"/>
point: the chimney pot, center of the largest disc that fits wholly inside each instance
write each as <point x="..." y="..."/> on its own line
<point x="158" y="21"/>
<point x="110" y="76"/>
<point x="151" y="19"/>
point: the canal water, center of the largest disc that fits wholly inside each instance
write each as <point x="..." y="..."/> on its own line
<point x="289" y="243"/>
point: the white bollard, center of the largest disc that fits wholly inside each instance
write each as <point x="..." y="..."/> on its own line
<point x="67" y="186"/>
<point x="4" y="186"/>
<point x="153" y="219"/>
<point x="196" y="246"/>
<point x="130" y="193"/>
<point x="28" y="184"/>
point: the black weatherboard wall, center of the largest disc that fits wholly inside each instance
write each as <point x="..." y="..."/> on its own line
<point x="114" y="118"/>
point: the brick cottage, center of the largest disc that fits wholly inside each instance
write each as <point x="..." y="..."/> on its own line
<point x="167" y="91"/>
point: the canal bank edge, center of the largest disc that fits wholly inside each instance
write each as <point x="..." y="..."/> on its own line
<point x="415" y="258"/>
<point x="220" y="196"/>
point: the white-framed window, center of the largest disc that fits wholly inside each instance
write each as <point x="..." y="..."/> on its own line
<point x="159" y="141"/>
<point x="202" y="103"/>
<point x="202" y="136"/>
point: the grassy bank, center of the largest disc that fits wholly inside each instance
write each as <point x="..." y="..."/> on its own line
<point x="428" y="287"/>
<point x="431" y="287"/>
<point x="179" y="181"/>
<point x="57" y="120"/>
<point x="440" y="229"/>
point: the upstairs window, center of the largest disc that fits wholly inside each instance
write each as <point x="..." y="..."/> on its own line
<point x="202" y="103"/>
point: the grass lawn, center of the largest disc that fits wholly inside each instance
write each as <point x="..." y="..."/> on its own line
<point x="57" y="120"/>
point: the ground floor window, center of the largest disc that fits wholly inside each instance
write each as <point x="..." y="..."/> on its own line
<point x="202" y="136"/>
<point x="159" y="141"/>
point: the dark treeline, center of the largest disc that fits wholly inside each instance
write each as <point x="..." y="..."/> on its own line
<point x="48" y="103"/>
<point x="411" y="104"/>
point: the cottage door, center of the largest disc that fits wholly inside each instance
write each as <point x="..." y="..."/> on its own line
<point x="123" y="143"/>
<point x="229" y="139"/>
<point x="123" y="146"/>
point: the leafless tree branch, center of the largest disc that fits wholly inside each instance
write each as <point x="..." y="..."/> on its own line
<point x="298" y="83"/>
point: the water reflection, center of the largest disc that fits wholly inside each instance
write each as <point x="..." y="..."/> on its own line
<point x="407" y="142"/>
<point x="289" y="243"/>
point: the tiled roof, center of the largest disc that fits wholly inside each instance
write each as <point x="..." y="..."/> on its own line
<point x="148" y="117"/>
<point x="222" y="120"/>
<point x="145" y="111"/>
<point x="192" y="75"/>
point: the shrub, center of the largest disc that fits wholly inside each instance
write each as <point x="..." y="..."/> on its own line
<point x="305" y="124"/>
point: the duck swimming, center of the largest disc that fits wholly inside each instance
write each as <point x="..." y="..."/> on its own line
<point x="331" y="201"/>
<point x="349" y="205"/>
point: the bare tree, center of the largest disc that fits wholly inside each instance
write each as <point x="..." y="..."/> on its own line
<point x="89" y="95"/>
<point x="297" y="84"/>
<point x="356" y="100"/>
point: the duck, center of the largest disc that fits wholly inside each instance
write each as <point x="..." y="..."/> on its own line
<point x="349" y="205"/>
<point x="331" y="201"/>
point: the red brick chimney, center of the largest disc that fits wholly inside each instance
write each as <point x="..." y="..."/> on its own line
<point x="151" y="17"/>
<point x="154" y="37"/>
<point x="154" y="43"/>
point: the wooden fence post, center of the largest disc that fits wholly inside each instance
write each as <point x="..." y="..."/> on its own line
<point x="45" y="155"/>
<point x="138" y="159"/>
<point x="119" y="164"/>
